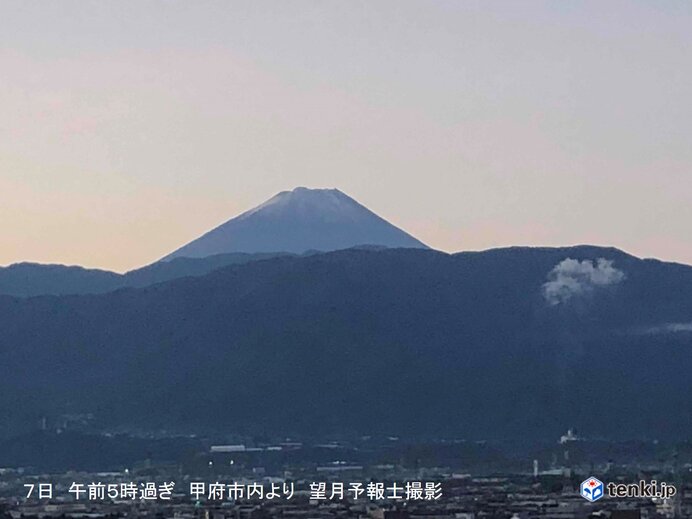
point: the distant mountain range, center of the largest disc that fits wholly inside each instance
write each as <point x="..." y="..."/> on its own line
<point x="34" y="279"/>
<point x="381" y="336"/>
<point x="506" y="342"/>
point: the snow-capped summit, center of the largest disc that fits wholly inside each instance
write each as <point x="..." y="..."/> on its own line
<point x="297" y="221"/>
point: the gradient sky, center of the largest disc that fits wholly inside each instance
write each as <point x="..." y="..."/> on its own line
<point x="128" y="128"/>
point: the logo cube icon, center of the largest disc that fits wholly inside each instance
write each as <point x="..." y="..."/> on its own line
<point x="592" y="489"/>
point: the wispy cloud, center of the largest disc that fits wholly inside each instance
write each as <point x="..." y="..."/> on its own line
<point x="668" y="328"/>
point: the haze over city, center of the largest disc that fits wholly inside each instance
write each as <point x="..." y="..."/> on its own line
<point x="129" y="128"/>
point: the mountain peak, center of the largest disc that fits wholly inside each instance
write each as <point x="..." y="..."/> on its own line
<point x="300" y="220"/>
<point x="325" y="199"/>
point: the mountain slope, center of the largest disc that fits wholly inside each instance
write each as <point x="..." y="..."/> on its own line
<point x="34" y="279"/>
<point x="298" y="221"/>
<point x="30" y="279"/>
<point x="410" y="342"/>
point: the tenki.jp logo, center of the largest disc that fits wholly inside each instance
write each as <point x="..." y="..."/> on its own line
<point x="592" y="489"/>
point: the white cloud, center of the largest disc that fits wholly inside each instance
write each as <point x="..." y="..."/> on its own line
<point x="571" y="278"/>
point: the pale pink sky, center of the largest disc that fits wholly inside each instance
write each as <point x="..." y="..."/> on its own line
<point x="127" y="128"/>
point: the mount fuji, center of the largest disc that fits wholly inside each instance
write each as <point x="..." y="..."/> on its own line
<point x="298" y="221"/>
